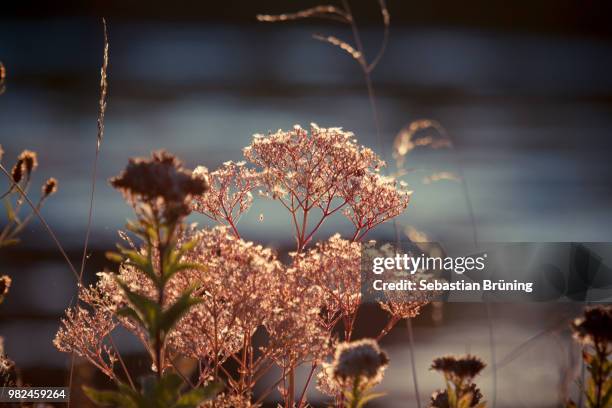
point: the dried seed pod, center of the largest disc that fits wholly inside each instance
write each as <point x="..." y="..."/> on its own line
<point x="17" y="172"/>
<point x="30" y="161"/>
<point x="5" y="284"/>
<point x="50" y="187"/>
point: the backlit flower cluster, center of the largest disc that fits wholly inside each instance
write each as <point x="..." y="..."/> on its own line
<point x="230" y="194"/>
<point x="161" y="183"/>
<point x="254" y="311"/>
<point x="373" y="200"/>
<point x="324" y="169"/>
<point x="85" y="330"/>
<point x="334" y="266"/>
<point x="358" y="364"/>
<point x="235" y="286"/>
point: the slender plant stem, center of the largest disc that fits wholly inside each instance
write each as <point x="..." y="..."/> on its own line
<point x="43" y="222"/>
<point x="94" y="175"/>
<point x="374" y="108"/>
<point x="123" y="366"/>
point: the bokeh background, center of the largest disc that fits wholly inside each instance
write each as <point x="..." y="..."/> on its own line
<point x="523" y="88"/>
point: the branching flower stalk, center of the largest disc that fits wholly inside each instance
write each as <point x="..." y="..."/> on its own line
<point x="159" y="189"/>
<point x="594" y="332"/>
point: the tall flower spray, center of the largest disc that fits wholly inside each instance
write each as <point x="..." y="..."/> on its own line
<point x="223" y="290"/>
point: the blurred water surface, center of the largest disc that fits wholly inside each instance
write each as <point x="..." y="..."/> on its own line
<point x="531" y="117"/>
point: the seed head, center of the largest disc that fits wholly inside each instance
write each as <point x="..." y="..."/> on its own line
<point x="461" y="368"/>
<point x="5" y="284"/>
<point x="359" y="360"/>
<point x="50" y="187"/>
<point x="30" y="161"/>
<point x="17" y="172"/>
<point x="162" y="178"/>
<point x="595" y="326"/>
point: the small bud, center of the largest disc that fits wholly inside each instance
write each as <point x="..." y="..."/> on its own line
<point x="5" y="284"/>
<point x="18" y="170"/>
<point x="29" y="159"/>
<point x="50" y="187"/>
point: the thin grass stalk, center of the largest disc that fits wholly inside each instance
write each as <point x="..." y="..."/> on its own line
<point x="94" y="176"/>
<point x="43" y="222"/>
<point x="372" y="99"/>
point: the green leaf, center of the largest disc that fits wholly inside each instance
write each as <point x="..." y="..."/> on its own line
<point x="161" y="392"/>
<point x="143" y="264"/>
<point x="110" y="398"/>
<point x="148" y="311"/>
<point x="114" y="257"/>
<point x="194" y="398"/>
<point x="172" y="315"/>
<point x="171" y="270"/>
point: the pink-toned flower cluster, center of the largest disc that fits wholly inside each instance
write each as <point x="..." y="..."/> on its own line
<point x="333" y="266"/>
<point x="85" y="331"/>
<point x="375" y="200"/>
<point x="243" y="288"/>
<point x="230" y="195"/>
<point x="322" y="169"/>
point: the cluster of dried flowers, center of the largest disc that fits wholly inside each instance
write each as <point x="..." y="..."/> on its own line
<point x="14" y="199"/>
<point x="243" y="289"/>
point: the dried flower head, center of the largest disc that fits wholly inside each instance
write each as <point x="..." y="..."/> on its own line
<point x="30" y="161"/>
<point x="5" y="284"/>
<point x="50" y="187"/>
<point x="2" y="79"/>
<point x="18" y="171"/>
<point x="595" y="327"/>
<point x="160" y="181"/>
<point x="163" y="175"/>
<point x="359" y="362"/>
<point x="460" y="368"/>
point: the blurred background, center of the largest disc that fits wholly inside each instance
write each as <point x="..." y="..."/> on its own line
<point x="524" y="89"/>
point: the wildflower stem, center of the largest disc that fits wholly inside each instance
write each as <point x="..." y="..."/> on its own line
<point x="413" y="363"/>
<point x="43" y="222"/>
<point x="123" y="366"/>
<point x="303" y="394"/>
